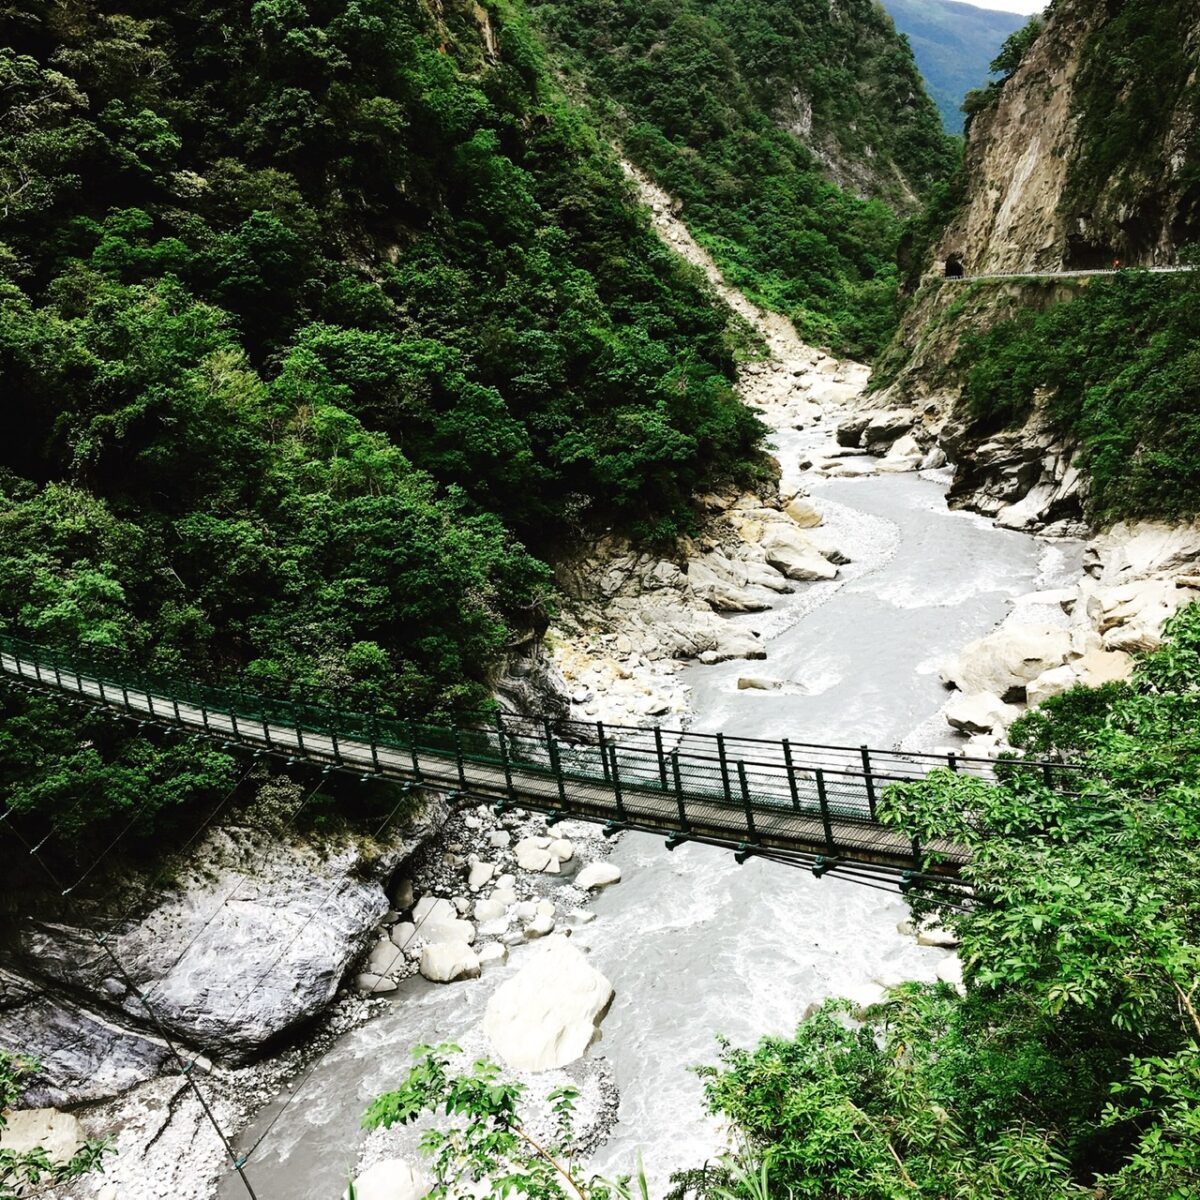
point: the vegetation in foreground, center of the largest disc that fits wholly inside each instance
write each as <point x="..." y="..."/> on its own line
<point x="23" y="1170"/>
<point x="1071" y="1067"/>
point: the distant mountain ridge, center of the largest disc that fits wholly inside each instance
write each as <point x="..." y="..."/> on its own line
<point x="953" y="44"/>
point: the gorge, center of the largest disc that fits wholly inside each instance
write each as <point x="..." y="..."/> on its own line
<point x="590" y="432"/>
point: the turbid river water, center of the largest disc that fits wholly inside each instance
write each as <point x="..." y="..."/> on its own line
<point x="694" y="944"/>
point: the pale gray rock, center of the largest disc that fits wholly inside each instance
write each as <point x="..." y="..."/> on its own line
<point x="59" y="1134"/>
<point x="391" y="1179"/>
<point x="548" y="1014"/>
<point x="82" y="1056"/>
<point x="598" y="875"/>
<point x="758" y="683"/>
<point x="444" y="962"/>
<point x="788" y="550"/>
<point x="980" y="712"/>
<point x="1006" y="661"/>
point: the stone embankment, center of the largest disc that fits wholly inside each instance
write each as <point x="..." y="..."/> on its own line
<point x="1136" y="577"/>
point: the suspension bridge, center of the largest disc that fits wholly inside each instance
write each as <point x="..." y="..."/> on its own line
<point x="804" y="803"/>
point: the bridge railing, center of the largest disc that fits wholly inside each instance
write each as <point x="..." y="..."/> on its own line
<point x="732" y="772"/>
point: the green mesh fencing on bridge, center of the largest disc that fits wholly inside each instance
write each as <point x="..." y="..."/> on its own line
<point x="811" y="799"/>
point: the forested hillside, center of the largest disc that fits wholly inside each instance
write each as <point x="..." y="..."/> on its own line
<point x="323" y="327"/>
<point x="792" y="133"/>
<point x="954" y="45"/>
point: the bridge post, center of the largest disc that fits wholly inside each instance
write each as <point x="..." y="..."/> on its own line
<point x="745" y="786"/>
<point x="869" y="779"/>
<point x="412" y="749"/>
<point x="508" y="782"/>
<point x="299" y="731"/>
<point x="823" y="797"/>
<point x="683" y="821"/>
<point x="458" y="757"/>
<point x="791" y="774"/>
<point x="179" y="719"/>
<point x="616" y="782"/>
<point x="556" y="766"/>
<point x="662" y="762"/>
<point x="952" y="760"/>
<point x="335" y="714"/>
<point x="373" y="732"/>
<point x="724" y="768"/>
<point x="603" y="748"/>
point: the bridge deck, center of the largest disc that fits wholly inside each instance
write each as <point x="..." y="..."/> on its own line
<point x="765" y="803"/>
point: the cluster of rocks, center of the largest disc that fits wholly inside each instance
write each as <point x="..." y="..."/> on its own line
<point x="637" y="618"/>
<point x="1137" y="577"/>
<point x="475" y="905"/>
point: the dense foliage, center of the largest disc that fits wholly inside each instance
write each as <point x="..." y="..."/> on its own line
<point x="323" y="326"/>
<point x="1012" y="54"/>
<point x="490" y="1134"/>
<point x="954" y="45"/>
<point x="21" y="1170"/>
<point x="743" y="112"/>
<point x="1071" y="1066"/>
<point x="1118" y="371"/>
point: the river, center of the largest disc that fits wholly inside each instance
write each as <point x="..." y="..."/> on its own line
<point x="694" y="944"/>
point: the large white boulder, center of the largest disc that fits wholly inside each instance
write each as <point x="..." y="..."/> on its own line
<point x="981" y="712"/>
<point x="438" y="921"/>
<point x="444" y="962"/>
<point x="549" y="1012"/>
<point x="1052" y="683"/>
<point x="905" y="454"/>
<point x="598" y="875"/>
<point x="804" y="512"/>
<point x="58" y="1133"/>
<point x="391" y="1179"/>
<point x="533" y="854"/>
<point x="1005" y="662"/>
<point x="788" y="550"/>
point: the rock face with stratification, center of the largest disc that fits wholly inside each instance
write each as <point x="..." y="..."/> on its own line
<point x="549" y="1013"/>
<point x="253" y="939"/>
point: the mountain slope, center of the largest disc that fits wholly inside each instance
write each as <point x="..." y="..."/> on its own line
<point x="323" y="327"/>
<point x="954" y="44"/>
<point x="1074" y="398"/>
<point x="792" y="132"/>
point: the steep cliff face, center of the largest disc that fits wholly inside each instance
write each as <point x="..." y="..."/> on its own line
<point x="1089" y="154"/>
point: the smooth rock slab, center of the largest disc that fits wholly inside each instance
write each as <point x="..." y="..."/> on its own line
<point x="549" y="1013"/>
<point x="598" y="875"/>
<point x="494" y="954"/>
<point x="58" y="1133"/>
<point x="254" y="938"/>
<point x="981" y="712"/>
